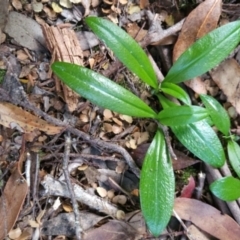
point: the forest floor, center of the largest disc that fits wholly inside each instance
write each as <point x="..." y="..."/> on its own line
<point x="68" y="166"/>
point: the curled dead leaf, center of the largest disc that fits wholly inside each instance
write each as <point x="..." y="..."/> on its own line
<point x="13" y="116"/>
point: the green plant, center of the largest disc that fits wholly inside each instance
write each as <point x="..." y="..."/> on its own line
<point x="190" y="124"/>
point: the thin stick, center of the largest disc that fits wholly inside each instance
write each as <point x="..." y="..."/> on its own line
<point x="55" y="187"/>
<point x="100" y="143"/>
<point x="78" y="227"/>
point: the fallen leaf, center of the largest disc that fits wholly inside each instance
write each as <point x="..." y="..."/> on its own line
<point x="13" y="116"/>
<point x="135" y="31"/>
<point x="207" y="218"/>
<point x="17" y="4"/>
<point x="188" y="189"/>
<point x="194" y="231"/>
<point x="13" y="196"/>
<point x="199" y="22"/>
<point x="56" y="8"/>
<point x="113" y="230"/>
<point x="102" y="192"/>
<point x="64" y="223"/>
<point x="183" y="161"/>
<point x="25" y="31"/>
<point x="15" y="233"/>
<point x="227" y="77"/>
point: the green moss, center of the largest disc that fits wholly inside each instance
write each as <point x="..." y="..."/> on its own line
<point x="2" y="75"/>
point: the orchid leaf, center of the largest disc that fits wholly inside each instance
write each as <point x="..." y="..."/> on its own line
<point x="126" y="49"/>
<point x="182" y="115"/>
<point x="202" y="141"/>
<point x="205" y="53"/>
<point x="157" y="186"/>
<point x="101" y="90"/>
<point x="218" y="114"/>
<point x="175" y="91"/>
<point x="233" y="150"/>
<point x="227" y="188"/>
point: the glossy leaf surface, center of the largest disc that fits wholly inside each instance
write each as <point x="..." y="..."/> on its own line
<point x="202" y="141"/>
<point x="175" y="91"/>
<point x="165" y="102"/>
<point x="125" y="48"/>
<point x="234" y="156"/>
<point x="227" y="188"/>
<point x="157" y="186"/>
<point x="182" y="115"/>
<point x="101" y="91"/>
<point x="206" y="53"/>
<point x="218" y="114"/>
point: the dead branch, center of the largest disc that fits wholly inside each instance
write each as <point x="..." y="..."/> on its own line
<point x="78" y="228"/>
<point x="57" y="188"/>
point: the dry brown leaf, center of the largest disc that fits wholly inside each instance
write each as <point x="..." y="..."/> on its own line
<point x="113" y="230"/>
<point x="67" y="207"/>
<point x="64" y="223"/>
<point x="135" y="31"/>
<point x="183" y="161"/>
<point x="15" y="233"/>
<point x="102" y="192"/>
<point x="207" y="218"/>
<point x="13" y="116"/>
<point x="227" y="76"/>
<point x="37" y="6"/>
<point x="199" y="22"/>
<point x="17" y="4"/>
<point x="144" y="4"/>
<point x="56" y="8"/>
<point x="13" y="196"/>
<point x="25" y="31"/>
<point x="107" y="114"/>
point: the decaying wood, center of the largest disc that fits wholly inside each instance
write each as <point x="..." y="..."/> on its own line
<point x="64" y="46"/>
<point x="54" y="187"/>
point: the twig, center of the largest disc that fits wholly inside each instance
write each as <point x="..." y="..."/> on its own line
<point x="159" y="74"/>
<point x="36" y="181"/>
<point x="100" y="143"/>
<point x="78" y="228"/>
<point x="199" y="188"/>
<point x="168" y="142"/>
<point x="54" y="187"/>
<point x="131" y="85"/>
<point x="28" y="169"/>
<point x="82" y="155"/>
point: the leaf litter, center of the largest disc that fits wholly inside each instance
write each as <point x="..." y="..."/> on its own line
<point x="104" y="175"/>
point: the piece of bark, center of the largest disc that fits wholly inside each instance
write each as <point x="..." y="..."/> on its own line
<point x="64" y="46"/>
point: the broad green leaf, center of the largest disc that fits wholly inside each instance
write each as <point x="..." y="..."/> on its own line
<point x="202" y="141"/>
<point x="218" y="114"/>
<point x="234" y="156"/>
<point x="157" y="186"/>
<point x="165" y="102"/>
<point x="182" y="115"/>
<point x="227" y="188"/>
<point x="206" y="53"/>
<point x="125" y="48"/>
<point x="175" y="91"/>
<point x="101" y="91"/>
